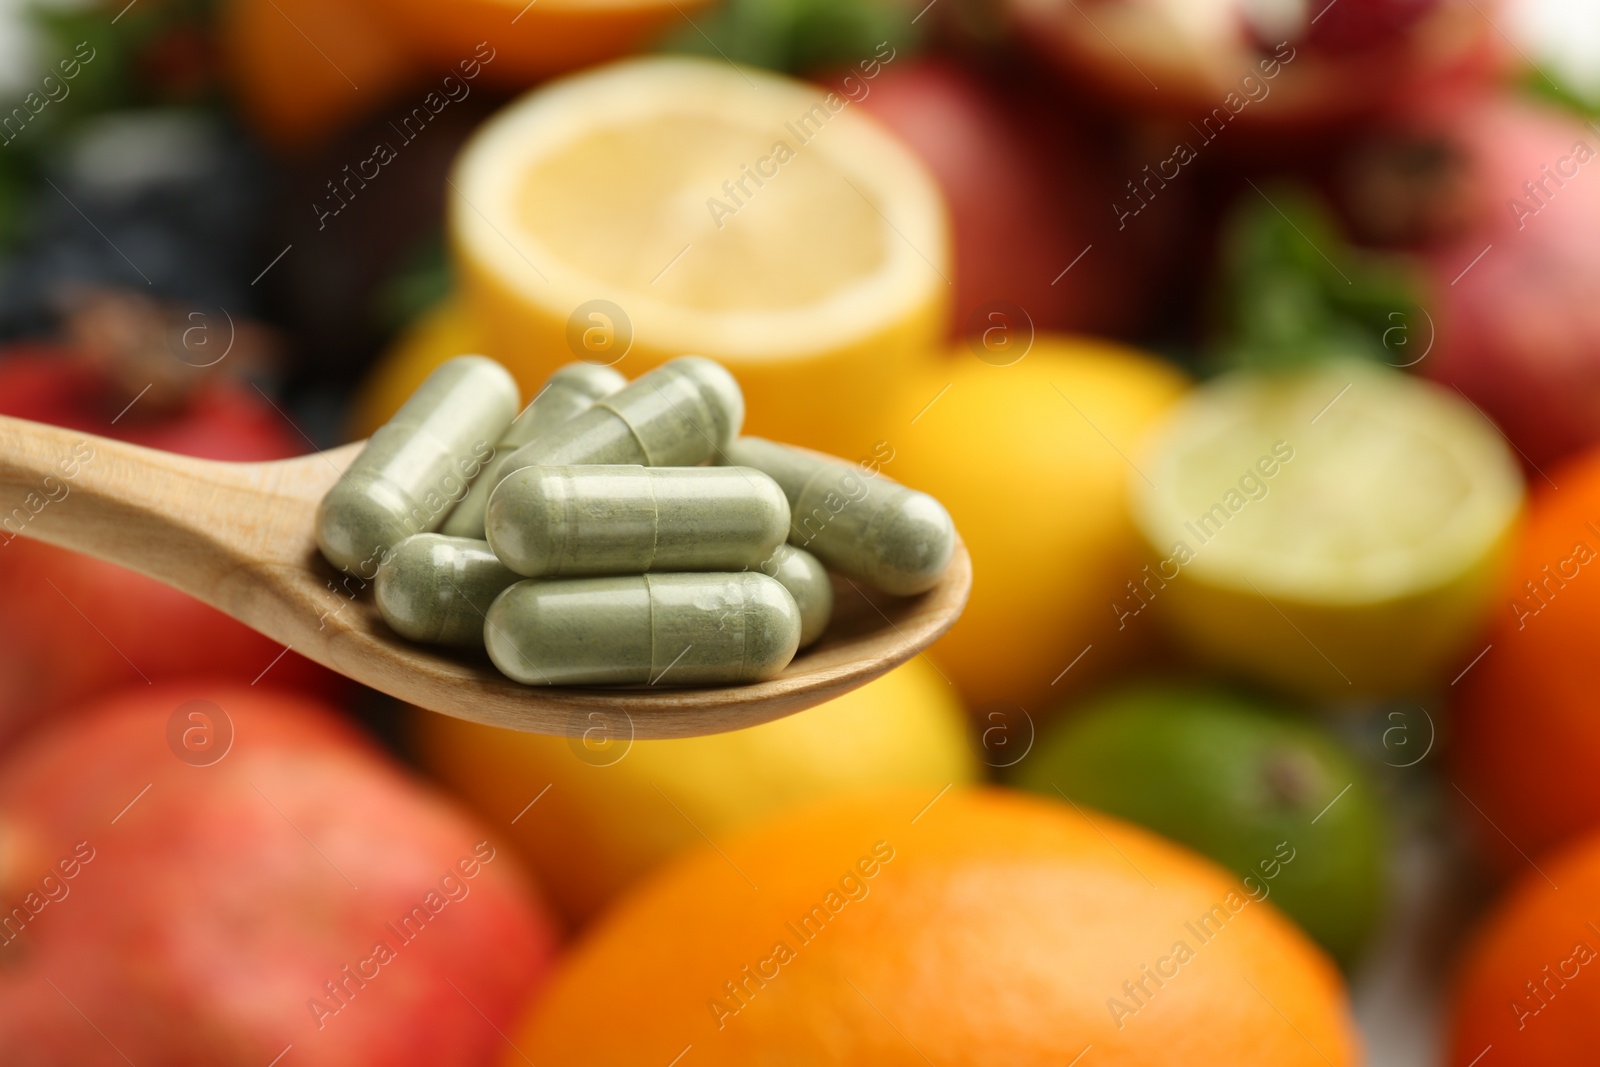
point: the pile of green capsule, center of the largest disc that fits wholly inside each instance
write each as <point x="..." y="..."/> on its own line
<point x="615" y="532"/>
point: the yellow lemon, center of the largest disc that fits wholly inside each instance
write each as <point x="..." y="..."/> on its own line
<point x="594" y="814"/>
<point x="663" y="206"/>
<point x="1032" y="461"/>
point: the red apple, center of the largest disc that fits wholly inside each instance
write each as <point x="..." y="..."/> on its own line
<point x="71" y="626"/>
<point x="196" y="874"/>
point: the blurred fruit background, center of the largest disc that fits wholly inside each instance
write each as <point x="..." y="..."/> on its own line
<point x="1252" y="346"/>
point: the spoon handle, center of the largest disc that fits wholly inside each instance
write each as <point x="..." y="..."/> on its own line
<point x="186" y="522"/>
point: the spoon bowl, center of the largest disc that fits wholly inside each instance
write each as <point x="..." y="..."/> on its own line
<point x="242" y="538"/>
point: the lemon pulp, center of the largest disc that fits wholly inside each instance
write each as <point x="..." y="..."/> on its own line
<point x="621" y="203"/>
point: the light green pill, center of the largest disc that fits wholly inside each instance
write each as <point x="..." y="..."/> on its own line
<point x="646" y="629"/>
<point x="418" y="465"/>
<point x="570" y="390"/>
<point x="438" y="589"/>
<point x="803" y="576"/>
<point x="681" y="414"/>
<point x="891" y="537"/>
<point x="549" y="521"/>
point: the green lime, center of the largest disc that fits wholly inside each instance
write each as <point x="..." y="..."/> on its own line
<point x="1337" y="530"/>
<point x="1270" y="797"/>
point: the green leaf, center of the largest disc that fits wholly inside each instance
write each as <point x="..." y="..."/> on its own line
<point x="1294" y="291"/>
<point x="422" y="279"/>
<point x="152" y="55"/>
<point x="798" y="36"/>
<point x="1563" y="96"/>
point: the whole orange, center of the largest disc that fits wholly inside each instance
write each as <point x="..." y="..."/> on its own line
<point x="1529" y="986"/>
<point x="1032" y="460"/>
<point x="1527" y="739"/>
<point x="530" y="41"/>
<point x="304" y="69"/>
<point x="962" y="928"/>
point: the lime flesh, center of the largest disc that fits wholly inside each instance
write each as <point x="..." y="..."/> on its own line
<point x="1336" y="531"/>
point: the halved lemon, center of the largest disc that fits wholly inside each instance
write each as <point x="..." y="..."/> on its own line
<point x="1338" y="530"/>
<point x="665" y="206"/>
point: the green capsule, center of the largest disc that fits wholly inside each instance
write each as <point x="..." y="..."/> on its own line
<point x="803" y="576"/>
<point x="549" y="521"/>
<point x="683" y="413"/>
<point x="858" y="524"/>
<point x="644" y="629"/>
<point x="571" y="389"/>
<point x="418" y="465"/>
<point x="438" y="589"/>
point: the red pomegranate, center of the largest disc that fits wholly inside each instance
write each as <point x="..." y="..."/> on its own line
<point x="1033" y="199"/>
<point x="1502" y="197"/>
<point x="222" y="875"/>
<point x="1275" y="68"/>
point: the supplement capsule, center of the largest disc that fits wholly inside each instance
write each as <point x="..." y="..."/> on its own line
<point x="570" y="390"/>
<point x="438" y="589"/>
<point x="547" y="521"/>
<point x="802" y="575"/>
<point x="681" y="414"/>
<point x="645" y="629"/>
<point x="418" y="465"/>
<point x="894" y="538"/>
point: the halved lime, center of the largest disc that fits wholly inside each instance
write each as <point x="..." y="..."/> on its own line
<point x="1337" y="530"/>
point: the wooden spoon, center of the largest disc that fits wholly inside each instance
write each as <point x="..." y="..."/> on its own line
<point x="240" y="536"/>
